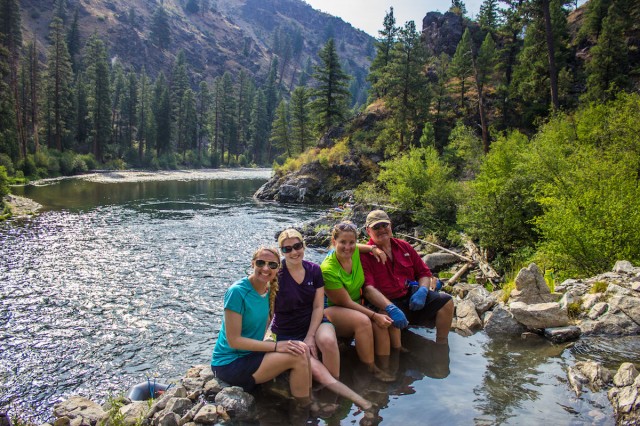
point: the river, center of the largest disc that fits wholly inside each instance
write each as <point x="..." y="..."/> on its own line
<point x="116" y="282"/>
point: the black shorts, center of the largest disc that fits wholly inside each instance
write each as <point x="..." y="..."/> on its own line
<point x="240" y="372"/>
<point x="426" y="316"/>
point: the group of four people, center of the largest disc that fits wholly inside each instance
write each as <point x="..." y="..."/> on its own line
<point x="368" y="298"/>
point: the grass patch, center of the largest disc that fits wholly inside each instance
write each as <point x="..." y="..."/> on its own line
<point x="574" y="310"/>
<point x="598" y="287"/>
<point x="507" y="288"/>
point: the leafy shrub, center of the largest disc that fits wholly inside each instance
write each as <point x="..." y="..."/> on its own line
<point x="67" y="160"/>
<point x="28" y="166"/>
<point x="418" y="181"/>
<point x="464" y="151"/>
<point x="168" y="162"/>
<point x="588" y="187"/>
<point x="4" y="183"/>
<point x="500" y="203"/>
<point x="6" y="162"/>
<point x="90" y="161"/>
<point x="115" y="164"/>
<point x="41" y="158"/>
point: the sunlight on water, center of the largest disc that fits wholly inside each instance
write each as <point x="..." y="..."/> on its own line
<point x="128" y="280"/>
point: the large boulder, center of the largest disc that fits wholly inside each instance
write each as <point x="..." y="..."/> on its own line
<point x="540" y="315"/>
<point x="436" y="261"/>
<point x="467" y="317"/>
<point x="482" y="299"/>
<point x="500" y="322"/>
<point x="79" y="408"/>
<point x="236" y="401"/>
<point x="625" y="395"/>
<point x="531" y="287"/>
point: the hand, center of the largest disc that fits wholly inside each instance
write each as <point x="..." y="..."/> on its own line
<point x="293" y="347"/>
<point x="310" y="341"/>
<point x="397" y="316"/>
<point x="381" y="321"/>
<point x="418" y="299"/>
<point x="379" y="254"/>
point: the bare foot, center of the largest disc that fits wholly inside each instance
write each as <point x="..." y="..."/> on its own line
<point x="381" y="375"/>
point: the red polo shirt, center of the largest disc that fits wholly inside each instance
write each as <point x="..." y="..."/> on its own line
<point x="391" y="277"/>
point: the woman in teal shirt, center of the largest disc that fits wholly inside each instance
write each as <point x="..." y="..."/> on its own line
<point x="241" y="357"/>
<point x="343" y="280"/>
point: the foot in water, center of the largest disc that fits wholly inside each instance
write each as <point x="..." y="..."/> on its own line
<point x="381" y="375"/>
<point x="370" y="416"/>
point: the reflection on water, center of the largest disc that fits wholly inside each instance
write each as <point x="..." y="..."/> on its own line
<point x="114" y="282"/>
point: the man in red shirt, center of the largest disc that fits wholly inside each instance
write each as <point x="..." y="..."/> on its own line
<point x="424" y="306"/>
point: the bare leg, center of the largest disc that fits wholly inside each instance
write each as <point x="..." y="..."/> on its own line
<point x="443" y="322"/>
<point x="381" y="340"/>
<point x="328" y="345"/>
<point x="275" y="363"/>
<point x="324" y="377"/>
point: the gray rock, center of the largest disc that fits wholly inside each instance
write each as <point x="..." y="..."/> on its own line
<point x="467" y="316"/>
<point x="482" y="299"/>
<point x="623" y="266"/>
<point x="625" y="400"/>
<point x="435" y="261"/>
<point x="576" y="379"/>
<point x="168" y="419"/>
<point x="626" y="375"/>
<point x="617" y="290"/>
<point x="609" y="323"/>
<point x="502" y="323"/>
<point x="134" y="412"/>
<point x="78" y="407"/>
<point x="179" y="406"/>
<point x="539" y="315"/>
<point x="597" y="310"/>
<point x="192" y="384"/>
<point x="573" y="295"/>
<point x="531" y="287"/>
<point x="589" y="300"/>
<point x="562" y="334"/>
<point x="630" y="306"/>
<point x="236" y="401"/>
<point x="207" y="415"/>
<point x="60" y="421"/>
<point x="214" y="386"/>
<point x="598" y="375"/>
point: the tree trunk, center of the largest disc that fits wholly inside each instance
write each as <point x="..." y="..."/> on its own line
<point x="553" y="72"/>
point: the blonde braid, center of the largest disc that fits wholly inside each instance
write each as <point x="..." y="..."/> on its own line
<point x="273" y="285"/>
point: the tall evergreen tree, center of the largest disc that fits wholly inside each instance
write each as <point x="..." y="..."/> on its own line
<point x="73" y="39"/>
<point x="458" y="7"/>
<point x="462" y="63"/>
<point x="259" y="128"/>
<point x="388" y="37"/>
<point x="203" y="113"/>
<point x="8" y="137"/>
<point x="58" y="79"/>
<point x="31" y="90"/>
<point x="244" y="103"/>
<point x="11" y="39"/>
<point x="162" y="115"/>
<point x="188" y="122"/>
<point x="484" y="66"/>
<point x="301" y="134"/>
<point x="488" y="15"/>
<point x="99" y="95"/>
<point x="129" y="109"/>
<point x="331" y="93"/>
<point x="81" y="112"/>
<point x="145" y="115"/>
<point x="160" y="29"/>
<point x="280" y="131"/>
<point x="408" y="94"/>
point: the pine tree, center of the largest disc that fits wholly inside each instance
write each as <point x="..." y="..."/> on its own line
<point x="245" y="92"/>
<point x="99" y="95"/>
<point x="484" y="66"/>
<point x="384" y="44"/>
<point x="117" y="97"/>
<point x="31" y="90"/>
<point x="462" y="63"/>
<point x="81" y="113"/>
<point x="300" y="120"/>
<point x="145" y="116"/>
<point x="408" y="94"/>
<point x="608" y="68"/>
<point x="8" y="137"/>
<point x="188" y="122"/>
<point x="458" y="7"/>
<point x="331" y="94"/>
<point x="162" y="116"/>
<point x="129" y="109"/>
<point x="203" y="113"/>
<point x="11" y="39"/>
<point x="280" y="132"/>
<point x="488" y="15"/>
<point x="58" y="79"/>
<point x="160" y="29"/>
<point x="259" y="128"/>
<point x="73" y="40"/>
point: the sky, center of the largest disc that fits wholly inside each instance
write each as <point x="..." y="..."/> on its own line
<point x="368" y="15"/>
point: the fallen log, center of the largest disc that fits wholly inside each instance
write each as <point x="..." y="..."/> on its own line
<point x="488" y="272"/>
<point x="459" y="274"/>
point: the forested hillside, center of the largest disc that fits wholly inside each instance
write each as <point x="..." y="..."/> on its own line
<point x="145" y="83"/>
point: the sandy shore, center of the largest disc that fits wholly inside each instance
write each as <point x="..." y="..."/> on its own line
<point x="117" y="176"/>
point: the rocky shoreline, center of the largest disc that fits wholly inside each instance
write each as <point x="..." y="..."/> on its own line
<point x="606" y="304"/>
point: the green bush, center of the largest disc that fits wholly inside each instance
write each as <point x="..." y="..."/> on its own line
<point x="588" y="187"/>
<point x="90" y="161"/>
<point x="464" y="151"/>
<point x="168" y="162"/>
<point x="6" y="162"/>
<point x="500" y="203"/>
<point x="418" y="181"/>
<point x="28" y="166"/>
<point x="4" y="183"/>
<point x="67" y="160"/>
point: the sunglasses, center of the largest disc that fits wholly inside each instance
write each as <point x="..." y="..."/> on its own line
<point x="272" y="265"/>
<point x="289" y="249"/>
<point x="344" y="226"/>
<point x="383" y="225"/>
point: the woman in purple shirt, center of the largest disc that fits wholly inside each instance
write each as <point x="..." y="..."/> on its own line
<point x="299" y="315"/>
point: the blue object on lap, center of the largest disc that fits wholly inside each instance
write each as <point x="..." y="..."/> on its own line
<point x="418" y="299"/>
<point x="399" y="318"/>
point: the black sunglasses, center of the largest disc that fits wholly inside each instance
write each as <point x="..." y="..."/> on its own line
<point x="382" y="225"/>
<point x="289" y="249"/>
<point x="272" y="265"/>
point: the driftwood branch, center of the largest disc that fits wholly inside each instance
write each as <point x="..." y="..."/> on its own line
<point x="478" y="258"/>
<point x="435" y="245"/>
<point x="459" y="274"/>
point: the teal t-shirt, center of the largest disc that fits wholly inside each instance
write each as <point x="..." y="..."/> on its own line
<point x="242" y="298"/>
<point x="335" y="277"/>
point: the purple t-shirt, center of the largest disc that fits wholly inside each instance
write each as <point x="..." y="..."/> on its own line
<point x="294" y="302"/>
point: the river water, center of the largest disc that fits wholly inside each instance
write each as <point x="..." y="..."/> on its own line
<point x="116" y="282"/>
